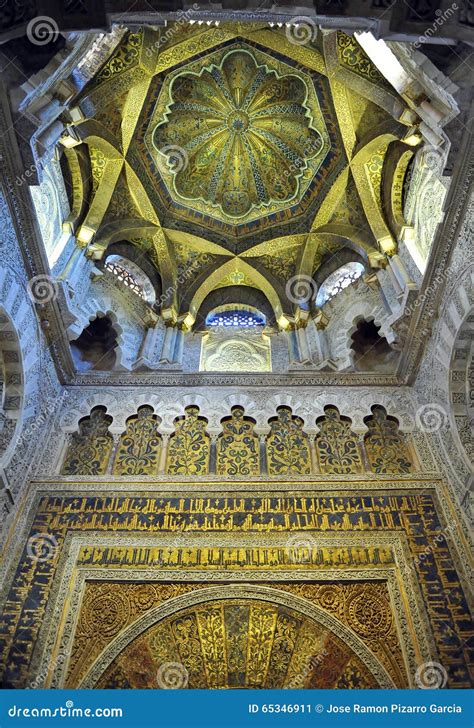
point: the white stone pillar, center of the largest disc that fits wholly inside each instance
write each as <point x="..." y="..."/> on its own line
<point x="293" y="346"/>
<point x="303" y="347"/>
<point x="167" y="351"/>
<point x="179" y="345"/>
<point x="400" y="272"/>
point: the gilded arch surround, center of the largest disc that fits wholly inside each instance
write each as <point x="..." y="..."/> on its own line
<point x="245" y="594"/>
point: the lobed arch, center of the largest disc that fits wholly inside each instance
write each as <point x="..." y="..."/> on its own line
<point x="342" y="329"/>
<point x="123" y="338"/>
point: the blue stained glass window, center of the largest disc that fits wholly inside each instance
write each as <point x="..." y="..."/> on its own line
<point x="235" y="317"/>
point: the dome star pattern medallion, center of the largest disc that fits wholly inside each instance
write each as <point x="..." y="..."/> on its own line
<point x="247" y="134"/>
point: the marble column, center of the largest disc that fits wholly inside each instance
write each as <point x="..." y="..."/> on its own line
<point x="400" y="272"/>
<point x="263" y="454"/>
<point x="167" y="352"/>
<point x="165" y="438"/>
<point x="303" y="347"/>
<point x="179" y="345"/>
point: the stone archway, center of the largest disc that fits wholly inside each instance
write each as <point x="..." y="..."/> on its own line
<point x="237" y="636"/>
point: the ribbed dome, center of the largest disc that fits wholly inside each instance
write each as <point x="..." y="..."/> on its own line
<point x="245" y="131"/>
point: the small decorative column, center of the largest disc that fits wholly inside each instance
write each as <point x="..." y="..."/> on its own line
<point x="390" y="282"/>
<point x="68" y="271"/>
<point x="301" y="322"/>
<point x="363" y="455"/>
<point x="321" y="321"/>
<point x="263" y="454"/>
<point x="179" y="343"/>
<point x="147" y="347"/>
<point x="62" y="453"/>
<point x="213" y="456"/>
<point x="165" y="438"/>
<point x="312" y="450"/>
<point x="293" y="344"/>
<point x="167" y="352"/>
<point x="116" y="440"/>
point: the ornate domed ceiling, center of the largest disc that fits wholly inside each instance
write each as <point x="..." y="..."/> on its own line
<point x="240" y="153"/>
<point x="253" y="133"/>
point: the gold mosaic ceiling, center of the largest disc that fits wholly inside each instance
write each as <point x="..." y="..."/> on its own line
<point x="243" y="150"/>
<point x="245" y="129"/>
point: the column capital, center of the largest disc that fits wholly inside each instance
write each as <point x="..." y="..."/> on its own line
<point x="151" y="318"/>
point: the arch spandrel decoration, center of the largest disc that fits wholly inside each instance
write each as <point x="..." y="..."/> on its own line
<point x="386" y="447"/>
<point x="287" y="446"/>
<point x="238" y="643"/>
<point x="90" y="448"/>
<point x="238" y="448"/>
<point x="139" y="448"/>
<point x="337" y="447"/>
<point x="189" y="445"/>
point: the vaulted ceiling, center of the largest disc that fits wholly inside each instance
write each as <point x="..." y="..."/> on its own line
<point x="242" y="153"/>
